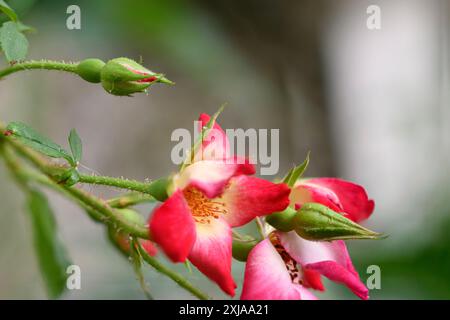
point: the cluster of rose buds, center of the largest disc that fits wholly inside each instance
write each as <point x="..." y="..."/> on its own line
<point x="306" y="221"/>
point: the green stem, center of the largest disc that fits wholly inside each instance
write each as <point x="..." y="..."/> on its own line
<point x="95" y="203"/>
<point x="23" y="175"/>
<point x="31" y="175"/>
<point x="130" y="199"/>
<point x="179" y="279"/>
<point x="154" y="188"/>
<point x="96" y="207"/>
<point x="13" y="165"/>
<point x="101" y="206"/>
<point x="41" y="64"/>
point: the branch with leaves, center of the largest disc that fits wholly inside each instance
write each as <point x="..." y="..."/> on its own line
<point x="16" y="143"/>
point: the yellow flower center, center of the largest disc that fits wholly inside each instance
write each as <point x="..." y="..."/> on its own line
<point x="203" y="209"/>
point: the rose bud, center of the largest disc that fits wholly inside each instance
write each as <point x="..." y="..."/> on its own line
<point x="317" y="222"/>
<point x="123" y="77"/>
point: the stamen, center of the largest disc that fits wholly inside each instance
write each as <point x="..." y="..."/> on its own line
<point x="291" y="265"/>
<point x="203" y="209"/>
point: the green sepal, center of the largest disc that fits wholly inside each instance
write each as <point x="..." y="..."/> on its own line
<point x="70" y="177"/>
<point x="125" y="69"/>
<point x="90" y="70"/>
<point x="204" y="133"/>
<point x="282" y="221"/>
<point x="296" y="173"/>
<point x="242" y="248"/>
<point x="124" y="88"/>
<point x="159" y="189"/>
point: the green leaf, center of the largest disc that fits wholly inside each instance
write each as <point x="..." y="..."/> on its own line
<point x="296" y="173"/>
<point x="36" y="141"/>
<point x="8" y="10"/>
<point x="76" y="146"/>
<point x="13" y="43"/>
<point x="51" y="254"/>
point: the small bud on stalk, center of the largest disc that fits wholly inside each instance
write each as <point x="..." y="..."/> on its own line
<point x="122" y="242"/>
<point x="120" y="239"/>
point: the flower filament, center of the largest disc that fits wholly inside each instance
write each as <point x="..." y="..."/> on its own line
<point x="291" y="265"/>
<point x="203" y="209"/>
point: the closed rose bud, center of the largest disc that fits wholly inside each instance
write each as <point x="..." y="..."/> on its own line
<point x="120" y="240"/>
<point x="123" y="77"/>
<point x="317" y="222"/>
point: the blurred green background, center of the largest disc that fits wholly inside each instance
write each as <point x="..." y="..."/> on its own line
<point x="371" y="105"/>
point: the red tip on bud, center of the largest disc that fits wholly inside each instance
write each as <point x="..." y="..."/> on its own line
<point x="150" y="79"/>
<point x="8" y="133"/>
